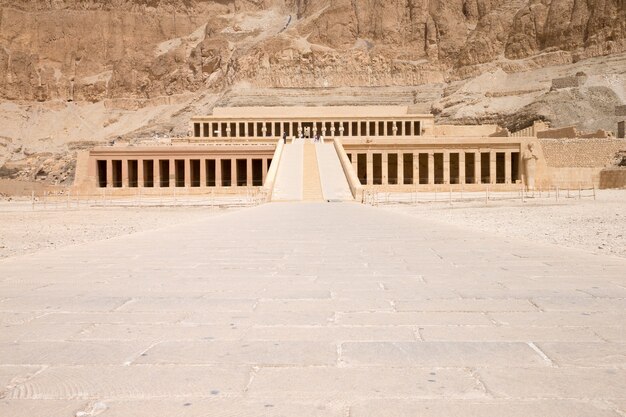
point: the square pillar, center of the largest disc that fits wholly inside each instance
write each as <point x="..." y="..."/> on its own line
<point x="507" y="167"/>
<point x="218" y="172"/>
<point x="233" y="172"/>
<point x="370" y="168"/>
<point x="355" y="163"/>
<point x="109" y="173"/>
<point x="431" y="168"/>
<point x="156" y="178"/>
<point x="416" y="168"/>
<point x="401" y="168"/>
<point x="477" y="167"/>
<point x="249" y="172"/>
<point x="203" y="173"/>
<point x="124" y="173"/>
<point x="462" y="176"/>
<point x="173" y="172"/>
<point x="187" y="170"/>
<point x="385" y="168"/>
<point x="264" y="168"/>
<point x="140" y="173"/>
<point x="446" y="167"/>
<point x="492" y="167"/>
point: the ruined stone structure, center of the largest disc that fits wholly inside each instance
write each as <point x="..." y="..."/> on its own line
<point x="389" y="148"/>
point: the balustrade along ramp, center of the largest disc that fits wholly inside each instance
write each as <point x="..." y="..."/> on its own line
<point x="334" y="183"/>
<point x="288" y="185"/>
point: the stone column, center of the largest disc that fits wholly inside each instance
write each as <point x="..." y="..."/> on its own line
<point x="172" y="172"/>
<point x="370" y="168"/>
<point x="416" y="168"/>
<point x="507" y="167"/>
<point x="400" y="168"/>
<point x="431" y="168"/>
<point x="477" y="167"/>
<point x="249" y="172"/>
<point x="385" y="168"/>
<point x="233" y="172"/>
<point x="355" y="163"/>
<point x="218" y="172"/>
<point x="203" y="173"/>
<point x="140" y="173"/>
<point x="109" y="173"/>
<point x="446" y="167"/>
<point x="492" y="167"/>
<point x="462" y="167"/>
<point x="156" y="178"/>
<point x="124" y="173"/>
<point x="187" y="171"/>
<point x="264" y="168"/>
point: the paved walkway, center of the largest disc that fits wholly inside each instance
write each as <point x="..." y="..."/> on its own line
<point x="312" y="310"/>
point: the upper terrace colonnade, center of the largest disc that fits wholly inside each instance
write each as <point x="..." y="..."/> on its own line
<point x="261" y="122"/>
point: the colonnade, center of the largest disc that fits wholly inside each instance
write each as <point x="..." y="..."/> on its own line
<point x="308" y="128"/>
<point x="436" y="166"/>
<point x="187" y="172"/>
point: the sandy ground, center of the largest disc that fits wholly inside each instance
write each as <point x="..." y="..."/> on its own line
<point x="25" y="231"/>
<point x="598" y="226"/>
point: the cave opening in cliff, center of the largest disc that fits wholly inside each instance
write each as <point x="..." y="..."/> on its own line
<point x="148" y="173"/>
<point x="407" y="167"/>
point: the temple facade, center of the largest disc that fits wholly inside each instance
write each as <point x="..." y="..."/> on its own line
<point x="378" y="147"/>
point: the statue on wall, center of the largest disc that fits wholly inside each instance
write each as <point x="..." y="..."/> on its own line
<point x="529" y="156"/>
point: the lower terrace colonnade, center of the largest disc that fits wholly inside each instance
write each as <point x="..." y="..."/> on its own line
<point x="432" y="167"/>
<point x="172" y="172"/>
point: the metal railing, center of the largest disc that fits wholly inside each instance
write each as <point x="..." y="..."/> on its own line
<point x="450" y="196"/>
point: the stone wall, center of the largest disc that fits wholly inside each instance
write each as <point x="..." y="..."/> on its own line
<point x="579" y="153"/>
<point x="613" y="178"/>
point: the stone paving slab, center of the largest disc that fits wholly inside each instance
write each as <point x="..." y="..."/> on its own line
<point x="312" y="310"/>
<point x="444" y="354"/>
<point x="133" y="382"/>
<point x="349" y="384"/>
<point x="469" y="408"/>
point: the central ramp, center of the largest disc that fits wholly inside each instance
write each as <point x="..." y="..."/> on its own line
<point x="288" y="186"/>
<point x="334" y="183"/>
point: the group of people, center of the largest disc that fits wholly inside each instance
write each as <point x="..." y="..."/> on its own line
<point x="316" y="139"/>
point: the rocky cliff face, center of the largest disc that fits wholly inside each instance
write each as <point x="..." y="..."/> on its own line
<point x="91" y="50"/>
<point x="84" y="70"/>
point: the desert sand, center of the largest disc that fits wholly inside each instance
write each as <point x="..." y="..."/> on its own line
<point x="598" y="226"/>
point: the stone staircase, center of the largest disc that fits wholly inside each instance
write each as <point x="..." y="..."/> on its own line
<point x="311" y="184"/>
